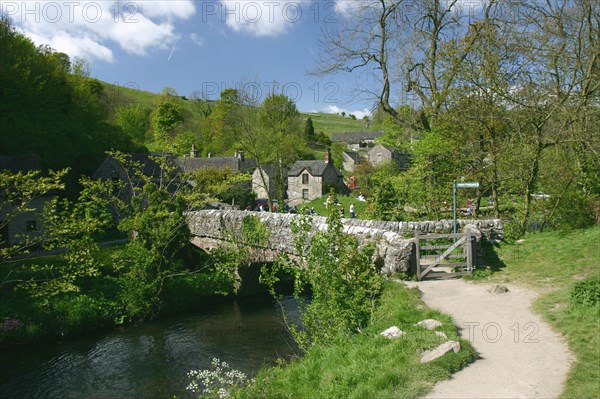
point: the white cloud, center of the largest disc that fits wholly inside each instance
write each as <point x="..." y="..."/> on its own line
<point x="84" y="47"/>
<point x="89" y="29"/>
<point x="261" y="18"/>
<point x="334" y="109"/>
<point x="348" y="7"/>
<point x="167" y="9"/>
<point x="197" y="39"/>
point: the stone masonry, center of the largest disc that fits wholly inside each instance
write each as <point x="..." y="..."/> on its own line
<point x="395" y="248"/>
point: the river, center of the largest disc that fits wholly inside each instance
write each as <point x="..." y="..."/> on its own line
<point x="150" y="360"/>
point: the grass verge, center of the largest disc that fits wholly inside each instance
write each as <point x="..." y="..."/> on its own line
<point x="552" y="263"/>
<point x="368" y="365"/>
<point x="360" y="207"/>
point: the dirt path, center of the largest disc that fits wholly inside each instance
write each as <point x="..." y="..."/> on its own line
<point x="520" y="356"/>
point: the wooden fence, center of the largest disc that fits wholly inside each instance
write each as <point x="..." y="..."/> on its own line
<point x="444" y="255"/>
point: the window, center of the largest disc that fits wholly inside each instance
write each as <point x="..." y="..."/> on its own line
<point x="305" y="193"/>
<point x="305" y="178"/>
<point x="30" y="225"/>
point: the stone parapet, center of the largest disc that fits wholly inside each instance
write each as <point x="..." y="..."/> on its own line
<point x="393" y="240"/>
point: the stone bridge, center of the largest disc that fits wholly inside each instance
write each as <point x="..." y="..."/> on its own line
<point x="394" y="243"/>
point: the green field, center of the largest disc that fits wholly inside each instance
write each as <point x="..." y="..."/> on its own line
<point x="334" y="123"/>
<point x="360" y="207"/>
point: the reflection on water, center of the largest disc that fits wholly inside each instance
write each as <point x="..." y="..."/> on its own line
<point x="151" y="360"/>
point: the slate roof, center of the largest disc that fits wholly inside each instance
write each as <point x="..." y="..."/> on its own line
<point x="355" y="156"/>
<point x="269" y="169"/>
<point x="234" y="163"/>
<point x="149" y="166"/>
<point x="355" y="137"/>
<point x="315" y="168"/>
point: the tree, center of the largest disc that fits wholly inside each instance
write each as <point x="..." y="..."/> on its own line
<point x="279" y="118"/>
<point x="271" y="135"/>
<point x="164" y="119"/>
<point x="44" y="110"/>
<point x="309" y="131"/>
<point x="18" y="193"/>
<point x="225" y="185"/>
<point x="337" y="155"/>
<point x="133" y="121"/>
<point x="431" y="50"/>
<point x="153" y="216"/>
<point x="202" y="104"/>
<point x="221" y="123"/>
<point x="385" y="204"/>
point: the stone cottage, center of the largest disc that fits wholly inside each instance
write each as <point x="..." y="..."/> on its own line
<point x="381" y="153"/>
<point x="350" y="160"/>
<point x="263" y="181"/>
<point x="356" y="140"/>
<point x="237" y="163"/>
<point x="308" y="180"/>
<point x="22" y="227"/>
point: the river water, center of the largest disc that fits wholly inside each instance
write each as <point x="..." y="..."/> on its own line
<point x="150" y="360"/>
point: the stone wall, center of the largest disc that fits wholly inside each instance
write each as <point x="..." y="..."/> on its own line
<point x="395" y="246"/>
<point x="490" y="229"/>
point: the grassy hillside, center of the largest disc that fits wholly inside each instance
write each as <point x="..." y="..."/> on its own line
<point x="119" y="95"/>
<point x="334" y="123"/>
<point x="322" y="122"/>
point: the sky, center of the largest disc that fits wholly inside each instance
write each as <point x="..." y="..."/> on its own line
<point x="201" y="46"/>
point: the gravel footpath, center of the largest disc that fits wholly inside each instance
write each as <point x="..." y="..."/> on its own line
<point x="520" y="356"/>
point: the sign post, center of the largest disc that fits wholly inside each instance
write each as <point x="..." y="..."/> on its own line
<point x="456" y="185"/>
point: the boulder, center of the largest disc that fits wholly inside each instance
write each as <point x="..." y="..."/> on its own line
<point x="440" y="351"/>
<point x="429" y="324"/>
<point x="392" y="332"/>
<point x="441" y="334"/>
<point x="499" y="289"/>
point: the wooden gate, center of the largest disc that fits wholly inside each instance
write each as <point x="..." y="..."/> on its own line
<point x="444" y="255"/>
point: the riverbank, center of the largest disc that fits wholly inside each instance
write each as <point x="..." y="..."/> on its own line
<point x="26" y="317"/>
<point x="368" y="365"/>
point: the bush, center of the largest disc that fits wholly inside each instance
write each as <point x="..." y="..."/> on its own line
<point x="586" y="292"/>
<point x="344" y="282"/>
<point x="81" y="313"/>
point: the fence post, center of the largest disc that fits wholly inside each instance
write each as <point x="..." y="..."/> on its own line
<point x="469" y="249"/>
<point x="418" y="253"/>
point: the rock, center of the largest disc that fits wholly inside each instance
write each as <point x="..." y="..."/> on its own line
<point x="392" y="332"/>
<point x="441" y="334"/>
<point x="429" y="324"/>
<point x="499" y="289"/>
<point x="440" y="351"/>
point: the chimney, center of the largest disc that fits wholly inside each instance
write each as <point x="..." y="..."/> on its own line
<point x="209" y="155"/>
<point x="327" y="155"/>
<point x="240" y="155"/>
<point x="194" y="152"/>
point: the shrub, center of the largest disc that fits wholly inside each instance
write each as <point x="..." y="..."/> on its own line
<point x="344" y="282"/>
<point x="586" y="292"/>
